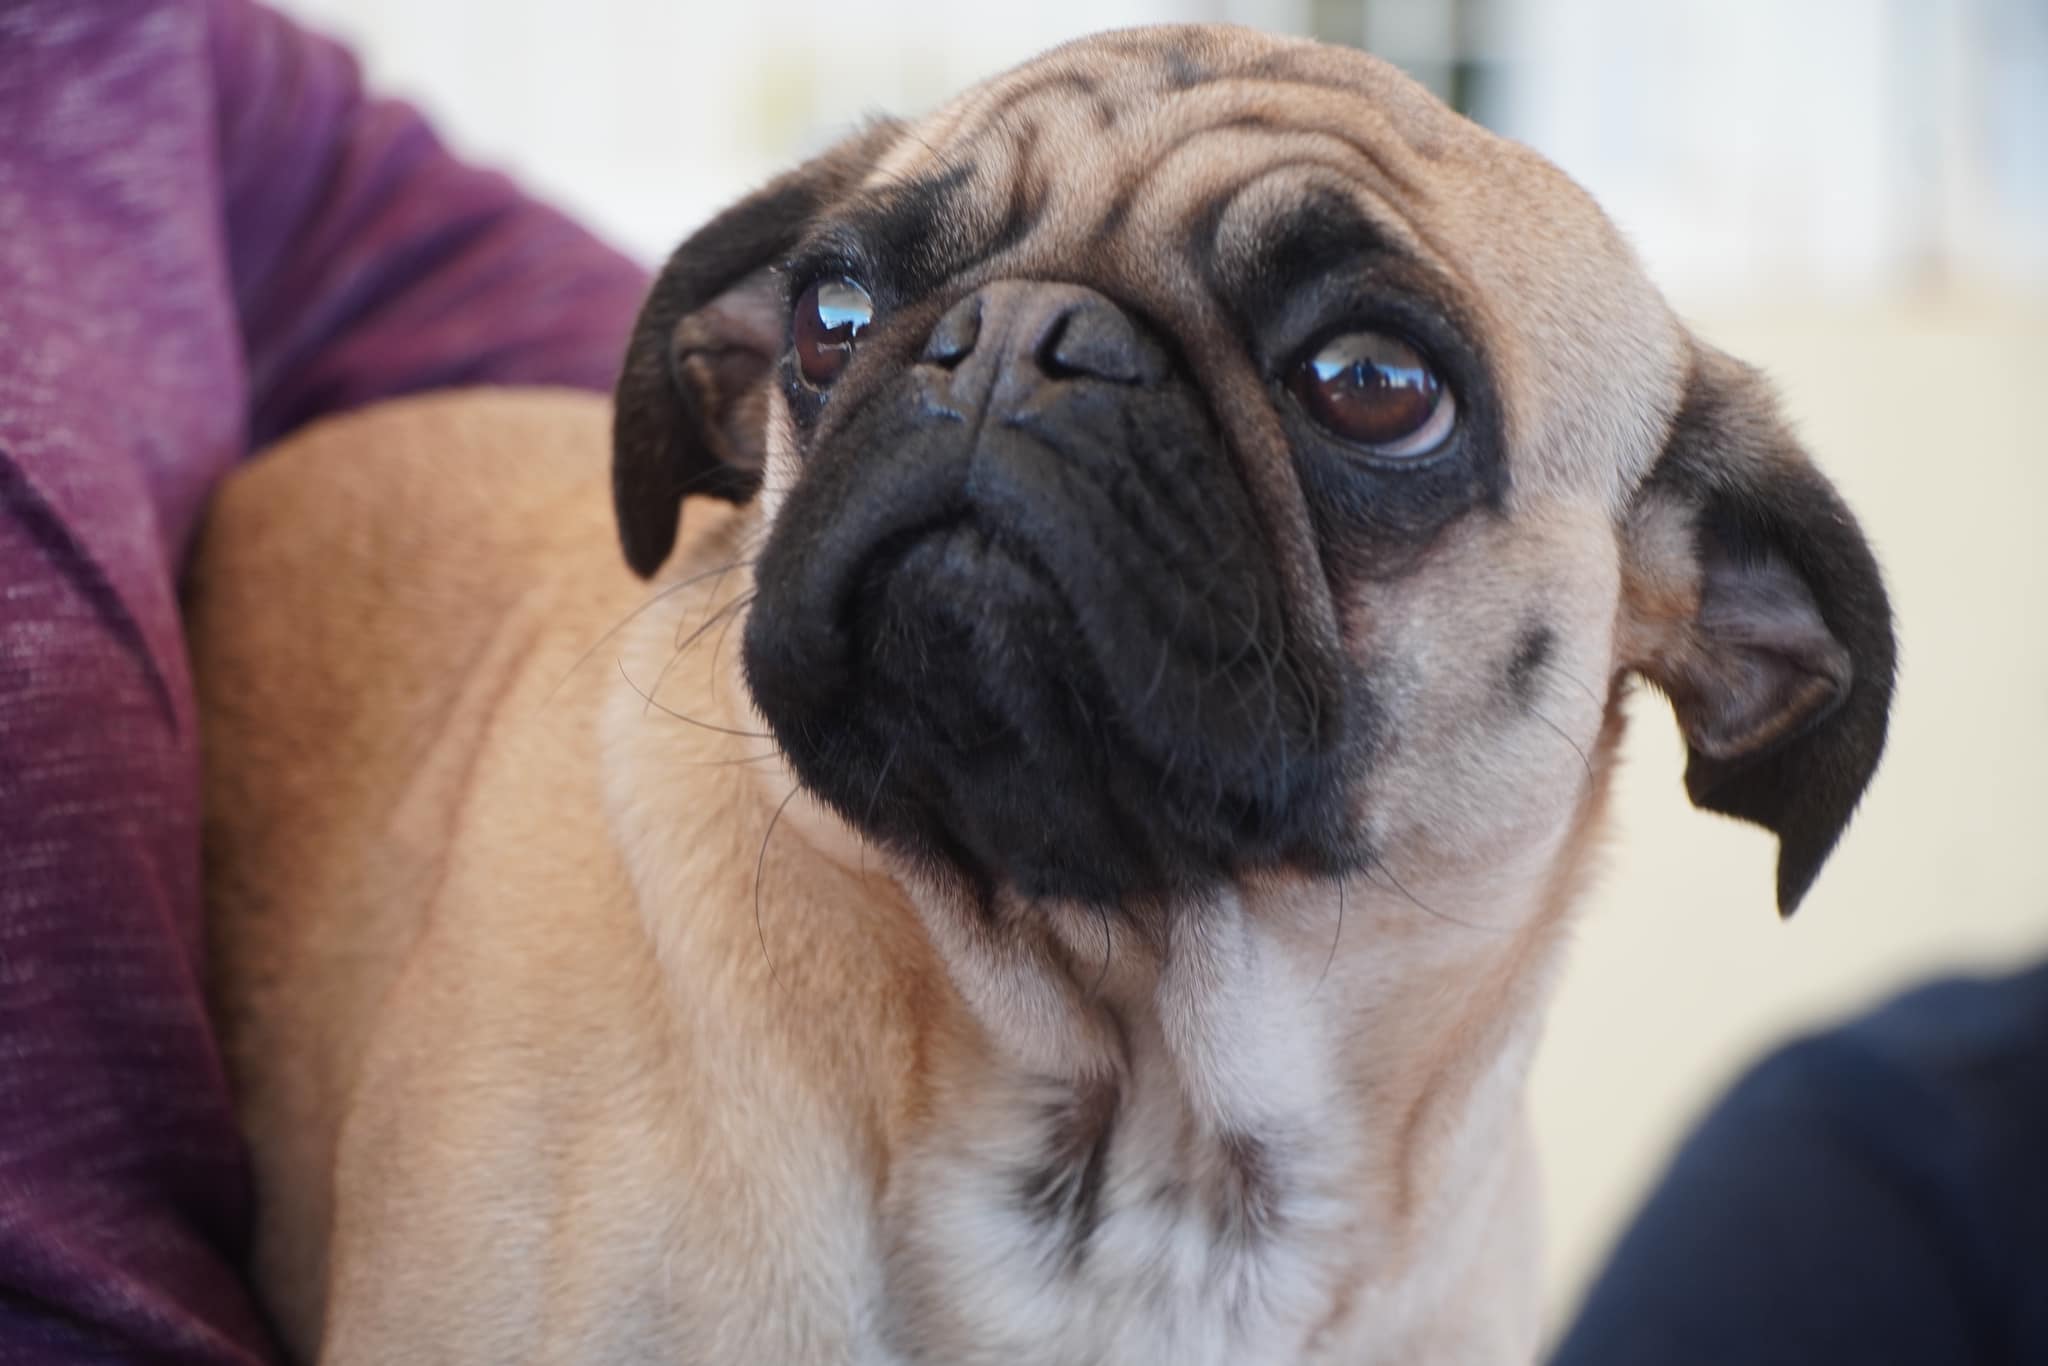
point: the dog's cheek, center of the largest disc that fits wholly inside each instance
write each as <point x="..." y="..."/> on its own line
<point x="782" y="461"/>
<point x="1489" y="663"/>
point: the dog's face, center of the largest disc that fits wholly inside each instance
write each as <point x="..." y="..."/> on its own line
<point x="1195" y="455"/>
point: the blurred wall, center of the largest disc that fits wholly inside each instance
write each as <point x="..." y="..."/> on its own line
<point x="1742" y="143"/>
<point x="1851" y="193"/>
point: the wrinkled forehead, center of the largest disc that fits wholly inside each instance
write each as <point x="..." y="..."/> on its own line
<point x="1182" y="160"/>
<point x="1150" y="134"/>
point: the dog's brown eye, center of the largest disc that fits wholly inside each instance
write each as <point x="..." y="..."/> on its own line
<point x="829" y="316"/>
<point x="1376" y="391"/>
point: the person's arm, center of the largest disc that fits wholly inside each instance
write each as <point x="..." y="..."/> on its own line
<point x="367" y="261"/>
<point x="184" y="183"/>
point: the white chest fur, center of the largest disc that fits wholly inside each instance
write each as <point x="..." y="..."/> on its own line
<point x="1222" y="1193"/>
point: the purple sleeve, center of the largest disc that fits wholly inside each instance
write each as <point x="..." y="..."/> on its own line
<point x="208" y="235"/>
<point x="368" y="262"/>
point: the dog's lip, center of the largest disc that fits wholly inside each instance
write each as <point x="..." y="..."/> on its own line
<point x="872" y="537"/>
<point x="966" y="522"/>
<point x="971" y="548"/>
<point x="979" y="536"/>
<point x="987" y="536"/>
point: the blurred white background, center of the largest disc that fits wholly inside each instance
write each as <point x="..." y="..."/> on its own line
<point x="1743" y="143"/>
<point x="1850" y="193"/>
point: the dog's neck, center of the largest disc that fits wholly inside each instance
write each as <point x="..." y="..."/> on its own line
<point x="1280" y="1123"/>
<point x="1291" y="1113"/>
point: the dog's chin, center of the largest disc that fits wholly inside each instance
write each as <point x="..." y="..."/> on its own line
<point x="990" y="737"/>
<point x="1024" y="662"/>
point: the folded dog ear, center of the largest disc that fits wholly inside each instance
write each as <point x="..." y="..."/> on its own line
<point x="1755" y="604"/>
<point x="691" y="403"/>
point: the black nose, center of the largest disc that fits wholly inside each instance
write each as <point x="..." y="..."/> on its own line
<point x="1010" y="338"/>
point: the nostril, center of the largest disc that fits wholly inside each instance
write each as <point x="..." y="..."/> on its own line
<point x="1094" y="342"/>
<point x="1050" y="362"/>
<point x="952" y="341"/>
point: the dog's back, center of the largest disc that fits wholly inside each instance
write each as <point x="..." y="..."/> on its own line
<point x="367" y="601"/>
<point x="485" y="1105"/>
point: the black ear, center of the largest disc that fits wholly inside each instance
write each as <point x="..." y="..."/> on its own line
<point x="688" y="416"/>
<point x="1760" y="612"/>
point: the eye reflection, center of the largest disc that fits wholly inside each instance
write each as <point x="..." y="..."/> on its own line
<point x="829" y="317"/>
<point x="1376" y="391"/>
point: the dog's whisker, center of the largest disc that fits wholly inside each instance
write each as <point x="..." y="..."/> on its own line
<point x="1158" y="672"/>
<point x="718" y="645"/>
<point x="734" y="763"/>
<point x="665" y="710"/>
<point x="875" y="799"/>
<point x="1343" y="880"/>
<point x="660" y="595"/>
<point x="1565" y="736"/>
<point x="682" y="628"/>
<point x="881" y="779"/>
<point x="1102" y="973"/>
<point x="1269" y="662"/>
<point x="682" y="646"/>
<point x="1595" y="698"/>
<point x="760" y="866"/>
<point x="1395" y="883"/>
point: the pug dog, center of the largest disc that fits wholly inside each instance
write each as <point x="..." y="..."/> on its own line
<point x="1064" y="864"/>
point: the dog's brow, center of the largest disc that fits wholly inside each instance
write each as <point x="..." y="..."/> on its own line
<point x="917" y="226"/>
<point x="1027" y="190"/>
<point x="1317" y="235"/>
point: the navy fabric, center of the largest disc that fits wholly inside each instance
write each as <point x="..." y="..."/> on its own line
<point x="1876" y="1194"/>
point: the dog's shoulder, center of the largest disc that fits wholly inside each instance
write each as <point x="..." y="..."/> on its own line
<point x="372" y="585"/>
<point x="348" y="580"/>
<point x="367" y="605"/>
<point x="453" y="483"/>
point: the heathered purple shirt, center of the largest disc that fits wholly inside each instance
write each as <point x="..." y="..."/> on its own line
<point x="208" y="236"/>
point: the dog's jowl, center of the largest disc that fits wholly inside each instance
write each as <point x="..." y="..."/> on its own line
<point x="1063" y="862"/>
